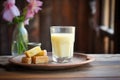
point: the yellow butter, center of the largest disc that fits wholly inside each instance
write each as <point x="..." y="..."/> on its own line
<point x="33" y="51"/>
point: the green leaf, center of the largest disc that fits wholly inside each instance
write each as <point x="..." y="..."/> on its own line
<point x="18" y="19"/>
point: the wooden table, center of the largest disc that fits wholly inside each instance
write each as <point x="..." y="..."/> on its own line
<point x="105" y="67"/>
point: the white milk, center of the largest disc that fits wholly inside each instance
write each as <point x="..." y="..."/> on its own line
<point x="62" y="44"/>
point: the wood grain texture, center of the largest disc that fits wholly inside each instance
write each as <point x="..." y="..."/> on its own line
<point x="117" y="28"/>
<point x="106" y="67"/>
<point x="60" y="13"/>
<point x="65" y="13"/>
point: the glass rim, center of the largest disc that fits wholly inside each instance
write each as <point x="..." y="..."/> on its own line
<point x="34" y="43"/>
<point x="62" y="27"/>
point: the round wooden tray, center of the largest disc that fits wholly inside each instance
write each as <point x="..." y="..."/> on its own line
<point x="78" y="60"/>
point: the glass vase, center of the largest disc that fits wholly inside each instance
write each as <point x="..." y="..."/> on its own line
<point x="19" y="40"/>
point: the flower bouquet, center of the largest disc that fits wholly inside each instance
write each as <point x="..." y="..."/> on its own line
<point x="12" y="14"/>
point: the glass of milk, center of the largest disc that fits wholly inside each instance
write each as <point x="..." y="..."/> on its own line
<point x="62" y="39"/>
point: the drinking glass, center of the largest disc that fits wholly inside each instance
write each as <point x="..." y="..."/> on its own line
<point x="62" y="39"/>
<point x="33" y="44"/>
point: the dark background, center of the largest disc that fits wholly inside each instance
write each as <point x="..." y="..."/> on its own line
<point x="78" y="13"/>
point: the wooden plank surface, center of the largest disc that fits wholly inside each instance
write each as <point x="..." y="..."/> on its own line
<point x="103" y="68"/>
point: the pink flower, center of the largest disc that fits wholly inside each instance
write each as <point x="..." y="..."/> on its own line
<point x="33" y="7"/>
<point x="10" y="10"/>
<point x="26" y="21"/>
